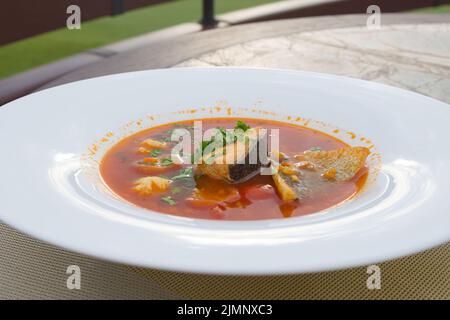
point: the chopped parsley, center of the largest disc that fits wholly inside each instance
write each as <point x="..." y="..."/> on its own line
<point x="242" y="125"/>
<point x="176" y="190"/>
<point x="154" y="153"/>
<point x="169" y="200"/>
<point x="205" y="144"/>
<point x="166" y="162"/>
<point x="228" y="138"/>
<point x="183" y="174"/>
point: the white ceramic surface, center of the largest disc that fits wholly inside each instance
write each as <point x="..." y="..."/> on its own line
<point x="52" y="140"/>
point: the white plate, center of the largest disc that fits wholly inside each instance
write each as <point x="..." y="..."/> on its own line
<point x="50" y="186"/>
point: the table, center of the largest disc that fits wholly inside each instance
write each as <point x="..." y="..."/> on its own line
<point x="411" y="51"/>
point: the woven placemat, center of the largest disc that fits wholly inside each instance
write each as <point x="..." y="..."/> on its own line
<point x="421" y="276"/>
<point x="32" y="269"/>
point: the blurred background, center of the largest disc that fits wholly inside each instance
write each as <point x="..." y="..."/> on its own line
<point x="33" y="33"/>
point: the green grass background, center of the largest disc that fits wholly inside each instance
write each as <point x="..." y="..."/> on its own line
<point x="28" y="53"/>
<point x="439" y="9"/>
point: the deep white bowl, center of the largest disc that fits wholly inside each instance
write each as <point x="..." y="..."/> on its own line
<point x="52" y="141"/>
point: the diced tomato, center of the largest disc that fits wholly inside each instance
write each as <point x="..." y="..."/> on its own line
<point x="260" y="192"/>
<point x="217" y="212"/>
<point x="232" y="196"/>
<point x="201" y="203"/>
<point x="155" y="169"/>
<point x="150" y="160"/>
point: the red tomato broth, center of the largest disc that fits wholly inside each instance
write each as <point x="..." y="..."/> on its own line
<point x="118" y="169"/>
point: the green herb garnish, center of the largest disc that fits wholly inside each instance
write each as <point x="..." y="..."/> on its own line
<point x="196" y="155"/>
<point x="166" y="162"/>
<point x="169" y="200"/>
<point x="154" y="153"/>
<point x="189" y="183"/>
<point x="205" y="144"/>
<point x="242" y="125"/>
<point x="228" y="138"/>
<point x="184" y="173"/>
<point x="176" y="190"/>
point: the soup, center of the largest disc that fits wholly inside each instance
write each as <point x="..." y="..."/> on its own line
<point x="310" y="172"/>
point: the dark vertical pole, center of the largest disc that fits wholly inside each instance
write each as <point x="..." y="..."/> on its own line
<point x="117" y="7"/>
<point x="208" y="19"/>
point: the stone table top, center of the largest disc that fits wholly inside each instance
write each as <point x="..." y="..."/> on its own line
<point x="411" y="51"/>
<point x="411" y="56"/>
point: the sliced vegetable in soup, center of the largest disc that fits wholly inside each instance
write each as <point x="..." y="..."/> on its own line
<point x="235" y="174"/>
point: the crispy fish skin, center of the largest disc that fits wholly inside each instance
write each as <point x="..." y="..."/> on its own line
<point x="336" y="165"/>
<point x="285" y="191"/>
<point x="220" y="168"/>
<point x="215" y="170"/>
<point x="289" y="188"/>
<point x="346" y="162"/>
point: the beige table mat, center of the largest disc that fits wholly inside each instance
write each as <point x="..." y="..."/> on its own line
<point x="422" y="276"/>
<point x="31" y="269"/>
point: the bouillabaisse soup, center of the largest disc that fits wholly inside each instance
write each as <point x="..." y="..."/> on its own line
<point x="310" y="172"/>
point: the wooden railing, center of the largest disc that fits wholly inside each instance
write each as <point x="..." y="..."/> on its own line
<point x="301" y="8"/>
<point x="21" y="19"/>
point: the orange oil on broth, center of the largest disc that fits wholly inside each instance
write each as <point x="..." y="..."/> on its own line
<point x="119" y="172"/>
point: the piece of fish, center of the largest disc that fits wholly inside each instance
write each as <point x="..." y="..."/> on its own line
<point x="289" y="189"/>
<point x="237" y="161"/>
<point x="298" y="180"/>
<point x="340" y="165"/>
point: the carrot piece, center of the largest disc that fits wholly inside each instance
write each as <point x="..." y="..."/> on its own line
<point x="150" y="160"/>
<point x="143" y="150"/>
<point x="150" y="143"/>
<point x="201" y="203"/>
<point x="330" y="174"/>
<point x="260" y="192"/>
